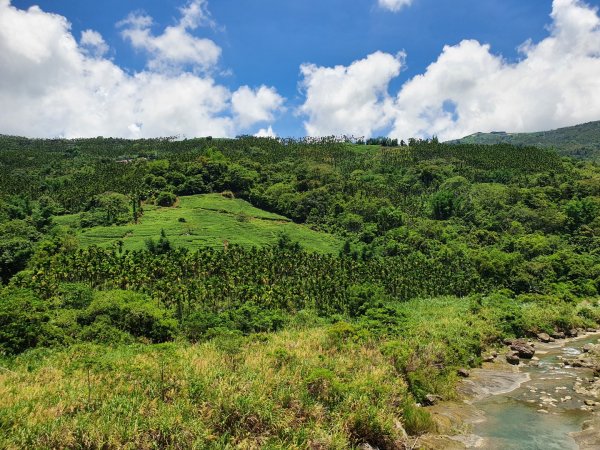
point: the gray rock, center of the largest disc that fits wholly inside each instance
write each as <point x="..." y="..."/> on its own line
<point x="513" y="358"/>
<point x="586" y="348"/>
<point x="545" y="337"/>
<point x="431" y="399"/>
<point x="463" y="373"/>
<point x="572" y="333"/>
<point x="366" y="447"/>
<point x="558" y="335"/>
<point x="524" y="350"/>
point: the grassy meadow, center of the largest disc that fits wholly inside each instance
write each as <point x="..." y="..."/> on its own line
<point x="204" y="221"/>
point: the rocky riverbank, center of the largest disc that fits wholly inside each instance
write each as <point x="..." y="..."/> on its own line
<point x="552" y="381"/>
<point x="589" y="437"/>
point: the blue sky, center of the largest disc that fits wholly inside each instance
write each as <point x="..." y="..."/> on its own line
<point x="266" y="42"/>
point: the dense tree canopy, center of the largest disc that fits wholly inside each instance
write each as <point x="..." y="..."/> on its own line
<point x="418" y="220"/>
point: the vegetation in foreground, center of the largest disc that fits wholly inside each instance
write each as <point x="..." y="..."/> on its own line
<point x="365" y="276"/>
<point x="313" y="385"/>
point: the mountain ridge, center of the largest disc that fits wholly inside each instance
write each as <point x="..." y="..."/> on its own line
<point x="580" y="141"/>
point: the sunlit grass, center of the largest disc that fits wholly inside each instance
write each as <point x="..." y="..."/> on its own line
<point x="205" y="221"/>
<point x="254" y="394"/>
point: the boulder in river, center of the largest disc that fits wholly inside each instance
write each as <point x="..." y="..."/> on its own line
<point x="463" y="373"/>
<point x="513" y="358"/>
<point x="572" y="333"/>
<point x="524" y="350"/>
<point x="586" y="348"/>
<point x="558" y="335"/>
<point x="545" y="337"/>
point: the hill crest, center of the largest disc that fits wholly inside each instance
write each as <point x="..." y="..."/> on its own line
<point x="580" y="141"/>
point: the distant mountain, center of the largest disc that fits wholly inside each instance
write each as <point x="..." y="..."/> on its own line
<point x="580" y="141"/>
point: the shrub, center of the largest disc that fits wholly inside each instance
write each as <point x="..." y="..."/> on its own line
<point x="442" y="205"/>
<point x="198" y="324"/>
<point x="589" y="313"/>
<point x="161" y="247"/>
<point x="368" y="427"/>
<point x="248" y="318"/>
<point x="251" y="318"/>
<point x="103" y="331"/>
<point x="132" y="313"/>
<point x="23" y="321"/>
<point x="322" y="386"/>
<point x="383" y="320"/>
<point x="75" y="295"/>
<point x="361" y="297"/>
<point x="166" y="199"/>
<point x="342" y="333"/>
<point x="106" y="209"/>
<point x="417" y="420"/>
<point x="283" y="358"/>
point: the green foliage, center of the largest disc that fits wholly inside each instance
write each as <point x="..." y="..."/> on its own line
<point x="248" y="318"/>
<point x="110" y="208"/>
<point x="75" y="295"/>
<point x="17" y="238"/>
<point x="417" y="420"/>
<point x="342" y="333"/>
<point x="323" y="386"/>
<point x="582" y="212"/>
<point x="23" y="322"/>
<point x="130" y="313"/>
<point x="162" y="246"/>
<point x="166" y="199"/>
<point x="361" y="297"/>
<point x="442" y="205"/>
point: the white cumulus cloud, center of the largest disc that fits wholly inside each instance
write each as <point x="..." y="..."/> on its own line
<point x="93" y="43"/>
<point x="51" y="85"/>
<point x="394" y="5"/>
<point x="176" y="47"/>
<point x="253" y="106"/>
<point x="349" y="100"/>
<point x="266" y="132"/>
<point x="556" y="82"/>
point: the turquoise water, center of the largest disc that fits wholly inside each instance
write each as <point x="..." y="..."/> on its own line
<point x="526" y="418"/>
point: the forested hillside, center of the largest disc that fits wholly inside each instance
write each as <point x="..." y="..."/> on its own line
<point x="580" y="141"/>
<point x="265" y="293"/>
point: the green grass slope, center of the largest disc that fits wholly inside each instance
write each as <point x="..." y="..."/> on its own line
<point x="205" y="221"/>
<point x="580" y="141"/>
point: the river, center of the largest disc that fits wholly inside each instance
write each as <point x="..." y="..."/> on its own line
<point x="536" y="406"/>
